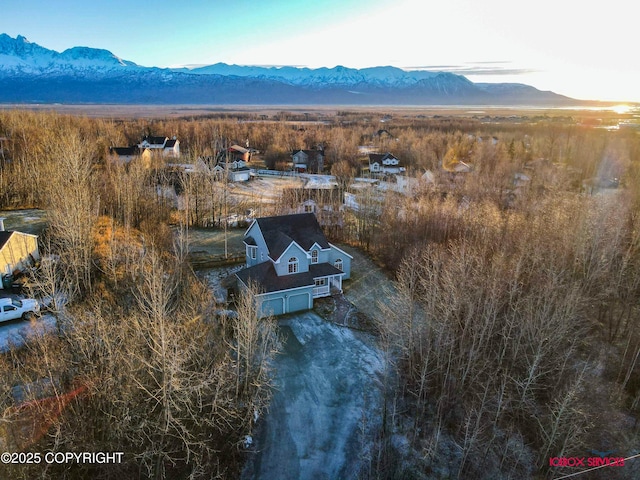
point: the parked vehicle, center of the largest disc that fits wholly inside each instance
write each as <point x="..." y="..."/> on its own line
<point x="11" y="309"/>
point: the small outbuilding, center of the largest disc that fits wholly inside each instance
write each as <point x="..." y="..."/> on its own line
<point x="17" y="252"/>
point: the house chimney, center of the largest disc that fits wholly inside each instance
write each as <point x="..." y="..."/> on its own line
<point x="1" y="224"/>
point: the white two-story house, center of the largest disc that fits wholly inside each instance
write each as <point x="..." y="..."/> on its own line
<point x="384" y="163"/>
<point x="168" y="147"/>
<point x="234" y="171"/>
<point x="290" y="262"/>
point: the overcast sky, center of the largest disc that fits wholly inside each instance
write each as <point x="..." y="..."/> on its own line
<point x="581" y="49"/>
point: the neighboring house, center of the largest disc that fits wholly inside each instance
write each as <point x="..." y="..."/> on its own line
<point x="325" y="203"/>
<point x="384" y="163"/>
<point x="164" y="145"/>
<point x="239" y="153"/>
<point x="129" y="154"/>
<point x="171" y="148"/>
<point x="311" y="161"/>
<point x="236" y="171"/>
<point x="234" y="153"/>
<point x="17" y="251"/>
<point x="308" y="206"/>
<point x="290" y="262"/>
<point x="382" y="133"/>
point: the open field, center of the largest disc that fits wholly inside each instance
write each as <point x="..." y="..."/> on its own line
<point x="606" y="110"/>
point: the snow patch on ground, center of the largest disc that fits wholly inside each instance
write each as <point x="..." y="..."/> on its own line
<point x="16" y="333"/>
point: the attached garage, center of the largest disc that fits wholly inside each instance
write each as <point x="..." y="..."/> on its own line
<point x="299" y="301"/>
<point x="278" y="303"/>
<point x="272" y="306"/>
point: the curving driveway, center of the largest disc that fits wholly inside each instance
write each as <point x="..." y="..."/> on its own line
<point x="326" y="406"/>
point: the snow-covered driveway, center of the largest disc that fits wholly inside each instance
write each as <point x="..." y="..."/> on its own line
<point x="17" y="332"/>
<point x="326" y="406"/>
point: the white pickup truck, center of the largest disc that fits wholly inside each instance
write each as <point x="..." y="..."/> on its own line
<point x="10" y="308"/>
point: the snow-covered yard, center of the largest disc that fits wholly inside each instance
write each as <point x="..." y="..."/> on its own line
<point x="368" y="286"/>
<point x="319" y="181"/>
<point x="211" y="242"/>
<point x="264" y="190"/>
<point x="28" y="221"/>
<point x="326" y="404"/>
<point x="16" y="333"/>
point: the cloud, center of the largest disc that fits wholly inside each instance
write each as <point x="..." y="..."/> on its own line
<point x="477" y="68"/>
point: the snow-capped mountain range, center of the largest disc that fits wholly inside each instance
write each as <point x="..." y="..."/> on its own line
<point x="31" y="73"/>
<point x="20" y="57"/>
<point x="322" y="77"/>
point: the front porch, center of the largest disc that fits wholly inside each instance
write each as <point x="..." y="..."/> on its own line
<point x="324" y="285"/>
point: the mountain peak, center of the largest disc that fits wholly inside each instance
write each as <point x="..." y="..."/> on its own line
<point x="20" y="46"/>
<point x="98" y="55"/>
<point x="27" y="71"/>
<point x="24" y="57"/>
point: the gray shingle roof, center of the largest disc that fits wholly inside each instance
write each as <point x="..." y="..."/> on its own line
<point x="4" y="237"/>
<point x="280" y="231"/>
<point x="265" y="277"/>
<point x="155" y="140"/>
<point x="379" y="157"/>
<point x="124" y="151"/>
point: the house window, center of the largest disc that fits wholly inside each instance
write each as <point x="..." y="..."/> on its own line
<point x="252" y="251"/>
<point x="314" y="256"/>
<point x="293" y="265"/>
<point x="320" y="282"/>
<point x="338" y="264"/>
<point x="308" y="208"/>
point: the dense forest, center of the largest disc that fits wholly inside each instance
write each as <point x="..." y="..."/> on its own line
<point x="512" y="334"/>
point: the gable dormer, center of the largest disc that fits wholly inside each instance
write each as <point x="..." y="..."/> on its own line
<point x="390" y="160"/>
<point x="293" y="260"/>
<point x="318" y="254"/>
<point x="255" y="246"/>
